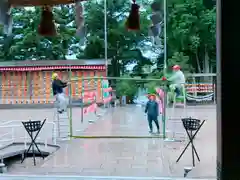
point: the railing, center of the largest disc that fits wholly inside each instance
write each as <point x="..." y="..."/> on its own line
<point x="201" y="87"/>
<point x="12" y="177"/>
<point x="18" y="133"/>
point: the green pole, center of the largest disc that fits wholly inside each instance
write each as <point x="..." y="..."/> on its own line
<point x="102" y="89"/>
<point x="164" y="117"/>
<point x="70" y="104"/>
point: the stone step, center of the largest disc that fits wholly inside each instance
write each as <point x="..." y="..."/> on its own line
<point x="63" y="135"/>
<point x="63" y="129"/>
<point x="63" y="118"/>
<point x="62" y="123"/>
<point x="64" y="132"/>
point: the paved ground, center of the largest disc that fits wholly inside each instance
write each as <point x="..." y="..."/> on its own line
<point x="11" y="119"/>
<point x="126" y="157"/>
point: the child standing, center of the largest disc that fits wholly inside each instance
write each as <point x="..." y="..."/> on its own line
<point x="152" y="111"/>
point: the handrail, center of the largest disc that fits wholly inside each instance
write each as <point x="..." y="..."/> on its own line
<point x="25" y="137"/>
<point x="73" y="177"/>
<point x="4" y="135"/>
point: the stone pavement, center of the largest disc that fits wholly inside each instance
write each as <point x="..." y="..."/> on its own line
<point x="134" y="157"/>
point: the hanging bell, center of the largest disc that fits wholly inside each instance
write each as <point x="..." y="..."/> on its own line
<point x="5" y="17"/>
<point x="47" y="25"/>
<point x="133" y="21"/>
<point x="156" y="6"/>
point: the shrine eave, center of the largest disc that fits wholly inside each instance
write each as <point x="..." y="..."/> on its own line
<point x="41" y="65"/>
<point x="25" y="3"/>
<point x="51" y="68"/>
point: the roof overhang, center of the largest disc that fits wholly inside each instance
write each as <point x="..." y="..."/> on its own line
<point x="25" y="3"/>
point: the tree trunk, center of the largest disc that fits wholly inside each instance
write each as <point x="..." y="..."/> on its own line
<point x="198" y="63"/>
<point x="115" y="68"/>
<point x="206" y="65"/>
<point x="115" y="71"/>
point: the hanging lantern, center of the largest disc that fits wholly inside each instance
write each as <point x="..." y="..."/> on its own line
<point x="81" y="30"/>
<point x="133" y="21"/>
<point x="5" y="17"/>
<point x="47" y="26"/>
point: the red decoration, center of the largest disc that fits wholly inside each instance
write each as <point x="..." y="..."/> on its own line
<point x="164" y="78"/>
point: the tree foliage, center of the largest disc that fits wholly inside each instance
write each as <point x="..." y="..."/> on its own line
<point x="191" y="36"/>
<point x="191" y="32"/>
<point x="123" y="47"/>
<point x="25" y="43"/>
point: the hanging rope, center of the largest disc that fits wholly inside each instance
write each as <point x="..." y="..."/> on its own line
<point x="79" y="18"/>
<point x="5" y="17"/>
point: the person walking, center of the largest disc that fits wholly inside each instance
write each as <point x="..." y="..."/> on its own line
<point x="152" y="111"/>
<point x="57" y="88"/>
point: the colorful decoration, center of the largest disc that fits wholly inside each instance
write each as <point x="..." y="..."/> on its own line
<point x="106" y="91"/>
<point x="160" y="93"/>
<point x="33" y="86"/>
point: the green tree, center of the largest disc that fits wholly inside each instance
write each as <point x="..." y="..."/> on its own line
<point x="123" y="46"/>
<point x="26" y="44"/>
<point x="191" y="31"/>
<point x="180" y="59"/>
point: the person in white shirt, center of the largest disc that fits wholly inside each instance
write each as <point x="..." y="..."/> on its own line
<point x="177" y="79"/>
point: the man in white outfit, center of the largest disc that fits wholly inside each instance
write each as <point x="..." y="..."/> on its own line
<point x="177" y="79"/>
<point x="57" y="87"/>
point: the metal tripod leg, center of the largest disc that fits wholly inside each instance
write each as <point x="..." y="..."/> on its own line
<point x="191" y="138"/>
